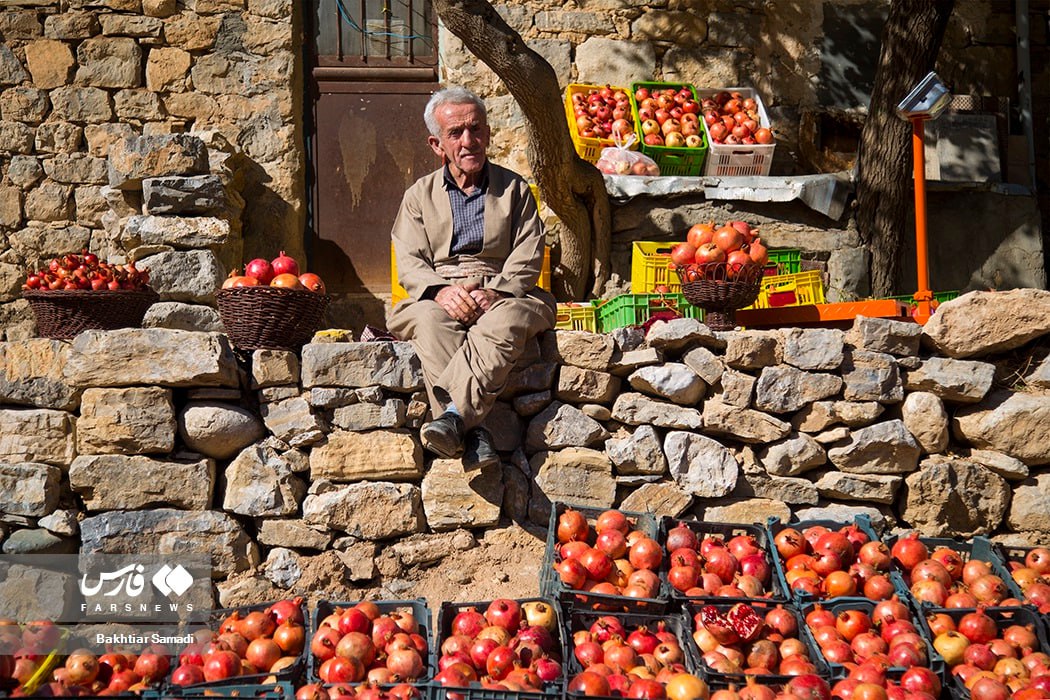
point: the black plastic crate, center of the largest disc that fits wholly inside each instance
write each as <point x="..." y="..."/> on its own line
<point x="290" y="674"/>
<point x="552" y="587"/>
<point x="761" y="608"/>
<point x="1012" y="556"/>
<point x="774" y="526"/>
<point x="582" y="619"/>
<point x="775" y="590"/>
<point x="551" y="689"/>
<point x="282" y="690"/>
<point x="1003" y="617"/>
<point x="838" y="671"/>
<point x="418" y="608"/>
<point x="980" y="548"/>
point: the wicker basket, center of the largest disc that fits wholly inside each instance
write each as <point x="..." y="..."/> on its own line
<point x="271" y="318"/>
<point x="63" y="313"/>
<point x="720" y="289"/>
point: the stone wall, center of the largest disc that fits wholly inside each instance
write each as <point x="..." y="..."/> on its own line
<point x="117" y="439"/>
<point x="79" y="76"/>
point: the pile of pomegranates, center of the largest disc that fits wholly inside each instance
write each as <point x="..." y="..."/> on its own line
<point x="759" y="640"/>
<point x="828" y="560"/>
<point x="368" y="642"/>
<point x="944" y="578"/>
<point x="282" y="271"/>
<point x="609" y="558"/>
<point x="994" y="654"/>
<point x="602" y="113"/>
<point x="1030" y="570"/>
<point x="85" y="271"/>
<point x="859" y="632"/>
<point x="630" y="656"/>
<point x="733" y="119"/>
<point x="363" y="691"/>
<point x="806" y="686"/>
<point x="508" y="645"/>
<point x="669" y="116"/>
<point x="24" y="650"/>
<point x="265" y="639"/>
<point x="734" y="243"/>
<point x="711" y="564"/>
<point x="869" y="681"/>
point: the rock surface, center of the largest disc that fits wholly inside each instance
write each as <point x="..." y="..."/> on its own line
<point x="981" y="323"/>
<point x="974" y="503"/>
<point x="1010" y="422"/>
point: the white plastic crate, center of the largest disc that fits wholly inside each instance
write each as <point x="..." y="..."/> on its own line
<point x="737" y="160"/>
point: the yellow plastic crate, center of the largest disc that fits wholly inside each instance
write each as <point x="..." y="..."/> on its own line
<point x="590" y="149"/>
<point x="799" y="289"/>
<point x="650" y="266"/>
<point x="398" y="293"/>
<point x="576" y="317"/>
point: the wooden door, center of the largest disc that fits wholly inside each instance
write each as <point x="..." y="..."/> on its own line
<point x="372" y="69"/>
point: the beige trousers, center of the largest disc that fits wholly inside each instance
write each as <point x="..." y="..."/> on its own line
<point x="469" y="365"/>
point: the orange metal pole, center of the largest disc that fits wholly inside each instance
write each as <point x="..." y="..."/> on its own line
<point x="923" y="295"/>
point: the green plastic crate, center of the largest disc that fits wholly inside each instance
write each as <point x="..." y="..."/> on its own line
<point x="939" y="297"/>
<point x="783" y="261"/>
<point x="673" y="160"/>
<point x="635" y="309"/>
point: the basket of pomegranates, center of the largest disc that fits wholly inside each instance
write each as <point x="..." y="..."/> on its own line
<point x="75" y="293"/>
<point x="272" y="305"/>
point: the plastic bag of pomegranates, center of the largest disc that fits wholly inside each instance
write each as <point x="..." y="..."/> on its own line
<point x="618" y="160"/>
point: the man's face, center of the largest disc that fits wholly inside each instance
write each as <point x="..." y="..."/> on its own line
<point x="464" y="137"/>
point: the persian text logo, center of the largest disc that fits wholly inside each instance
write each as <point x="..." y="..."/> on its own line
<point x="131" y="581"/>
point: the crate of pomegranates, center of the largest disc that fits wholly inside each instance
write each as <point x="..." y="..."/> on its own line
<point x="825" y="559"/>
<point x="386" y="642"/>
<point x="272" y="305"/>
<point x="947" y="573"/>
<point x="251" y="645"/>
<point x="852" y="631"/>
<point x="604" y="560"/>
<point x="501" y="649"/>
<point x="726" y="562"/>
<point x="991" y="652"/>
<point x="78" y="292"/>
<point x="629" y="655"/>
<point x="734" y="641"/>
<point x="1029" y="568"/>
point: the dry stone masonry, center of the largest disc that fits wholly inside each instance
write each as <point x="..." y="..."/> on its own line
<point x="149" y="439"/>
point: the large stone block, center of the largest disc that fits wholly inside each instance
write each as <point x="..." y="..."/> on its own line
<point x="81" y="105"/>
<point x="131" y="356"/>
<point x="37" y="435"/>
<point x="699" y="465"/>
<point x="782" y="389"/>
<point x="71" y="25"/>
<point x="377" y="455"/>
<point x="1030" y="506"/>
<point x="673" y="381"/>
<point x="638" y="453"/>
<point x="50" y="62"/>
<point x="751" y="350"/>
<point x="16" y="137"/>
<point x="454" y="497"/>
<point x="218" y="430"/>
<point x="245" y="75"/>
<point x="139" y="157"/>
<point x="601" y="61"/>
<point x="581" y="349"/>
<point x="176" y="315"/>
<point x="961" y="381"/>
<point x="884" y="335"/>
<point x="29" y="489"/>
<point x="877" y="488"/>
<point x="579" y="385"/>
<point x="574" y="475"/>
<point x="131" y="482"/>
<point x="369" y="510"/>
<point x="822" y="414"/>
<point x="983" y="323"/>
<point x="11" y="70"/>
<point x="659" y="498"/>
<point x="50" y="202"/>
<point x="871" y="376"/>
<point x="1010" y="422"/>
<point x="812" y="348"/>
<point x="743" y="424"/>
<point x="925" y="418"/>
<point x="24" y="104"/>
<point x="188" y="196"/>
<point x="262" y="483"/>
<point x="752" y="510"/>
<point x="390" y="365"/>
<point x="562" y="425"/>
<point x="369" y="416"/>
<point x="185" y="275"/>
<point x="178" y="231"/>
<point x="109" y="62"/>
<point x="797" y="454"/>
<point x="974" y="504"/>
<point x="883" y="448"/>
<point x="126" y="420"/>
<point x="165" y="531"/>
<point x="638" y="409"/>
<point x="31" y="374"/>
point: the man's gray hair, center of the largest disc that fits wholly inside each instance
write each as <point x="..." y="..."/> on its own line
<point x="455" y="95"/>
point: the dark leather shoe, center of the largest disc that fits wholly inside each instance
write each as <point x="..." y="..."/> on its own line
<point x="444" y="435"/>
<point x="478" y="451"/>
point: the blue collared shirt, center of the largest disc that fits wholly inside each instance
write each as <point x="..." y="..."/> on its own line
<point x="468" y="214"/>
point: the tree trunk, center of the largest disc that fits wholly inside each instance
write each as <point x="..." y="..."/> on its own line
<point x="910" y="43"/>
<point x="573" y="188"/>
